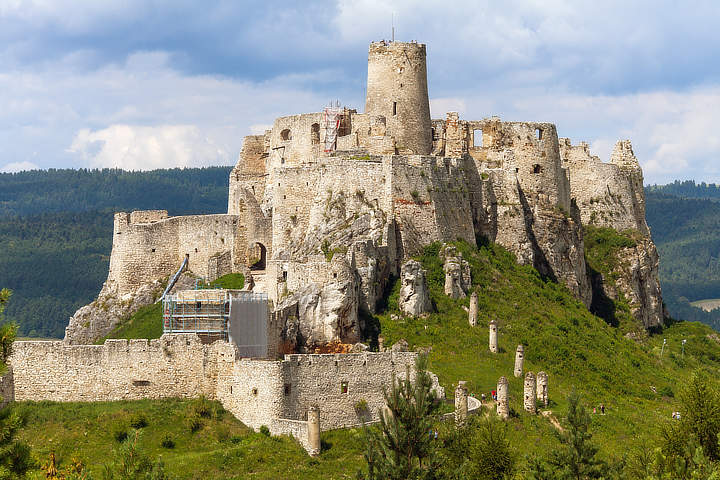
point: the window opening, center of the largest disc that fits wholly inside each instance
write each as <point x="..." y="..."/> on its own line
<point x="477" y="138"/>
<point x="343" y="387"/>
<point x="286" y="135"/>
<point x="394" y="108"/>
<point x="537" y="168"/>
<point x="539" y="134"/>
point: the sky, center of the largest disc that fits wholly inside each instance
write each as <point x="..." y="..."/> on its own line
<point x="144" y="84"/>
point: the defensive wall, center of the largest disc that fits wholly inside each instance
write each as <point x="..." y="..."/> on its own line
<point x="148" y="245"/>
<point x="276" y="393"/>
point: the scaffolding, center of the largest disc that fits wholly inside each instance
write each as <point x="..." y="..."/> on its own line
<point x="218" y="314"/>
<point x="331" y="119"/>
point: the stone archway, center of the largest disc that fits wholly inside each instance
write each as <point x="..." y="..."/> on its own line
<point x="257" y="257"/>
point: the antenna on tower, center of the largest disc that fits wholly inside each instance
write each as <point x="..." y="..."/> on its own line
<point x="392" y="22"/>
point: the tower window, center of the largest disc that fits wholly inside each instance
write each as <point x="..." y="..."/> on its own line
<point x="394" y="108"/>
<point x="537" y="168"/>
<point x="477" y="138"/>
<point x="343" y="387"/>
<point x="539" y="134"/>
<point x="286" y="135"/>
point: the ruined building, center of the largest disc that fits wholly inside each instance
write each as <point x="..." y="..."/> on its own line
<point x="325" y="207"/>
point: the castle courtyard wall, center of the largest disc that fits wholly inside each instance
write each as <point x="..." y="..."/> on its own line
<point x="7" y="388"/>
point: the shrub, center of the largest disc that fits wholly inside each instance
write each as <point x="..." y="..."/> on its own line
<point x="138" y="421"/>
<point x="193" y="423"/>
<point x="120" y="432"/>
<point x="167" y="442"/>
<point x="265" y="430"/>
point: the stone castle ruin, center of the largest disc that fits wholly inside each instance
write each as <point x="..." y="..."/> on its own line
<point x="323" y="210"/>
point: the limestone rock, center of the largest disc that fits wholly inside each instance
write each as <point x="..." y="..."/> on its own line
<point x="319" y="315"/>
<point x="99" y="318"/>
<point x="400" y="346"/>
<point x="457" y="273"/>
<point x="359" y="348"/>
<point x="435" y="386"/>
<point x="414" y="295"/>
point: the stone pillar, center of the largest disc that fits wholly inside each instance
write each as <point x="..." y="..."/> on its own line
<point x="503" y="405"/>
<point x="381" y="344"/>
<point x="530" y="393"/>
<point x="542" y="389"/>
<point x="461" y="404"/>
<point x="493" y="336"/>
<point x="313" y="433"/>
<point x="519" y="360"/>
<point x="473" y="312"/>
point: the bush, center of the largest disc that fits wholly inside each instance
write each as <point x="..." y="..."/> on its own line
<point x="666" y="391"/>
<point x="167" y="442"/>
<point x="120" y="432"/>
<point x="202" y="407"/>
<point x="193" y="423"/>
<point x="138" y="421"/>
<point x="265" y="430"/>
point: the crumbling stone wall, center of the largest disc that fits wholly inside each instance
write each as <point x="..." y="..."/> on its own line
<point x="172" y="366"/>
<point x="144" y="252"/>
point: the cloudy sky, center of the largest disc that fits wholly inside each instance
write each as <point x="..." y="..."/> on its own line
<point x="142" y="84"/>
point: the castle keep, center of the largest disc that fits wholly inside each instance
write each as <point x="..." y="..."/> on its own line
<point x="323" y="210"/>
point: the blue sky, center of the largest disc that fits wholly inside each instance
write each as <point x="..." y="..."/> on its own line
<point x="143" y="84"/>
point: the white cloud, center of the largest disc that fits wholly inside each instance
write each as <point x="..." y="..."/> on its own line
<point x="133" y="147"/>
<point x="18" y="167"/>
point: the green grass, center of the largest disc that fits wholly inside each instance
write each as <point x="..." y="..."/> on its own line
<point x="147" y="321"/>
<point x="222" y="448"/>
<point x="577" y="349"/>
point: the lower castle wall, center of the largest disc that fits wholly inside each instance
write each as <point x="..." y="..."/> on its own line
<point x="173" y="366"/>
<point x="276" y="393"/>
<point x="319" y="379"/>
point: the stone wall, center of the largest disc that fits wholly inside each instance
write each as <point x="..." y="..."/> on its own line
<point x="144" y="252"/>
<point x="276" y="393"/>
<point x="172" y="366"/>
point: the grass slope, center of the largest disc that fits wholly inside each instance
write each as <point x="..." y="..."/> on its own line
<point x="147" y="321"/>
<point x="576" y="348"/>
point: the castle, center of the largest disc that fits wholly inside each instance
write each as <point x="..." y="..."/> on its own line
<point x="323" y="210"/>
<point x="324" y="207"/>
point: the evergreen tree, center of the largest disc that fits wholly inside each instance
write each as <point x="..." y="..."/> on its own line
<point x="576" y="458"/>
<point x="14" y="456"/>
<point x="402" y="447"/>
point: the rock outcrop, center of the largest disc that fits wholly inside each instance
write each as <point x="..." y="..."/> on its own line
<point x="98" y="319"/>
<point x="414" y="296"/>
<point x="457" y="272"/>
<point x="611" y="195"/>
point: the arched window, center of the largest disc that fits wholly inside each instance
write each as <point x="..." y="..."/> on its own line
<point x="315" y="134"/>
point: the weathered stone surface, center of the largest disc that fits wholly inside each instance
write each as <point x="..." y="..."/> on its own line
<point x="414" y="296"/>
<point x="457" y="272"/>
<point x="400" y="346"/>
<point x="111" y="308"/>
<point x="530" y="392"/>
<point x="319" y="315"/>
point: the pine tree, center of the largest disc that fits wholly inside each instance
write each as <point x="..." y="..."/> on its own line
<point x="402" y="446"/>
<point x="14" y="456"/>
<point x="576" y="459"/>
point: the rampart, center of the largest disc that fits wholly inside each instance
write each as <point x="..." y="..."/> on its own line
<point x="276" y="393"/>
<point x="149" y="245"/>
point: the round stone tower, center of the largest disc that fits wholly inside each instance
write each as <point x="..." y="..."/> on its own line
<point x="503" y="405"/>
<point x="519" y="360"/>
<point x="313" y="430"/>
<point x="473" y="310"/>
<point x="530" y="393"/>
<point x="542" y="389"/>
<point x="397" y="90"/>
<point x="493" y="337"/>
<point x="461" y="403"/>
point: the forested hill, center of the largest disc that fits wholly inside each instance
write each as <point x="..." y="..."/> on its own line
<point x="56" y="232"/>
<point x="686" y="229"/>
<point x="688" y="189"/>
<point x="180" y="191"/>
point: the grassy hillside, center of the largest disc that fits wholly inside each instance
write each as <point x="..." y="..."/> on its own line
<point x="578" y="350"/>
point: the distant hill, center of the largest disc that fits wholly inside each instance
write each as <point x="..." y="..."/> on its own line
<point x="685" y="226"/>
<point x="56" y="232"/>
